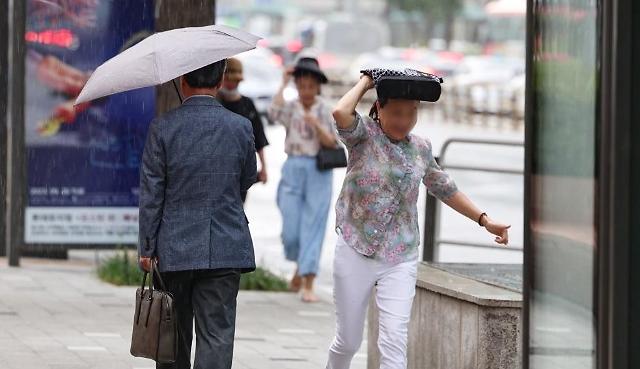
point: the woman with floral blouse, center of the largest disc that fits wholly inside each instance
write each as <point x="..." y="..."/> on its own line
<point x="377" y="221"/>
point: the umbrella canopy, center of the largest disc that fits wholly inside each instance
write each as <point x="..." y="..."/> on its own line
<point x="165" y="56"/>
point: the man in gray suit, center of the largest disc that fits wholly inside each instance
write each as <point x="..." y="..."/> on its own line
<point x="197" y="161"/>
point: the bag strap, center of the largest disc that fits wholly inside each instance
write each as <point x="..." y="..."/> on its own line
<point x="155" y="272"/>
<point x="144" y="281"/>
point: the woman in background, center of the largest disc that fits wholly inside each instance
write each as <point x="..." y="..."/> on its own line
<point x="304" y="192"/>
<point x="231" y="99"/>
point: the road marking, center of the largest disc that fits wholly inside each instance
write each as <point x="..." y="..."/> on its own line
<point x="314" y="313"/>
<point x="102" y="335"/>
<point x="17" y="278"/>
<point x="553" y="329"/>
<point x="296" y="331"/>
<point x="286" y="359"/>
<point x="86" y="348"/>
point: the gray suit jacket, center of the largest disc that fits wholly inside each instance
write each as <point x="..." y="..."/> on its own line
<point x="197" y="160"/>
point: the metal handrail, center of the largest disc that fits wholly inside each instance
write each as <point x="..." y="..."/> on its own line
<point x="432" y="206"/>
<point x="450" y="141"/>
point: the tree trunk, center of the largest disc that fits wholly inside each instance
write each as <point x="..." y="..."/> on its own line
<point x="16" y="154"/>
<point x="172" y="14"/>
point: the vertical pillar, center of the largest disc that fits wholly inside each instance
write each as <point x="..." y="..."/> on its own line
<point x="16" y="173"/>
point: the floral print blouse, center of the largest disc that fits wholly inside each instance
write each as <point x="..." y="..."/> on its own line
<point x="301" y="138"/>
<point x="376" y="212"/>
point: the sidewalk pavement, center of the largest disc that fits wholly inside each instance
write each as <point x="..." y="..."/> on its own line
<point x="59" y="315"/>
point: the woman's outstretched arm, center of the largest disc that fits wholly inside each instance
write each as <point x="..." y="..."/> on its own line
<point x="461" y="203"/>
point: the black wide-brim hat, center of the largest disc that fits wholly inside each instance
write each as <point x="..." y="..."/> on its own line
<point x="408" y="84"/>
<point x="309" y="65"/>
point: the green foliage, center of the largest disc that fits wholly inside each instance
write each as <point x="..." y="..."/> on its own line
<point x="262" y="280"/>
<point x="121" y="270"/>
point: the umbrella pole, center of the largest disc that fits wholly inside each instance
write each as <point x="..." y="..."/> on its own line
<point x="177" y="90"/>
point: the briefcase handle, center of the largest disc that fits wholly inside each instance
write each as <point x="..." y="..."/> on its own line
<point x="156" y="273"/>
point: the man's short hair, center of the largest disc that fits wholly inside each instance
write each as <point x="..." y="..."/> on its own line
<point x="208" y="76"/>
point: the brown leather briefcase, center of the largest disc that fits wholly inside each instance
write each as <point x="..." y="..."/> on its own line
<point x="155" y="330"/>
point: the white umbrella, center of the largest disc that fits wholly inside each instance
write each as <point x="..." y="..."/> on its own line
<point x="164" y="56"/>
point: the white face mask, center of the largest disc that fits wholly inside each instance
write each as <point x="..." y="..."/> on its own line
<point x="227" y="94"/>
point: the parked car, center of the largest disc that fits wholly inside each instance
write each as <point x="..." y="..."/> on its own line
<point x="491" y="82"/>
<point x="442" y="64"/>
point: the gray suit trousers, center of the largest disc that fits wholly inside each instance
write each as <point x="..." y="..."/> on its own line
<point x="209" y="296"/>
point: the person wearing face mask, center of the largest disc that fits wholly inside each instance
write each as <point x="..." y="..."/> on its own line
<point x="304" y="192"/>
<point x="376" y="213"/>
<point x="231" y="99"/>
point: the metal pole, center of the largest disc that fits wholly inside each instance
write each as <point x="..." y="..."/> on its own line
<point x="429" y="242"/>
<point x="16" y="154"/>
<point x="4" y="93"/>
<point x="614" y="214"/>
<point x="529" y="157"/>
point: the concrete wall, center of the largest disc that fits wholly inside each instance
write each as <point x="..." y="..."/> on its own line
<point x="458" y="323"/>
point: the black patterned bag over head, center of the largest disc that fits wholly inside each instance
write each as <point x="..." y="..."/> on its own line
<point x="409" y="84"/>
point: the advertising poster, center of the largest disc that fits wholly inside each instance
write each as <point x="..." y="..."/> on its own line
<point x="83" y="163"/>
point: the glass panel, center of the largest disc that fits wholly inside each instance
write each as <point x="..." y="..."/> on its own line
<point x="562" y="319"/>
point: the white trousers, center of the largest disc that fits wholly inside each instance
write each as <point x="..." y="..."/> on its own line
<point x="355" y="277"/>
